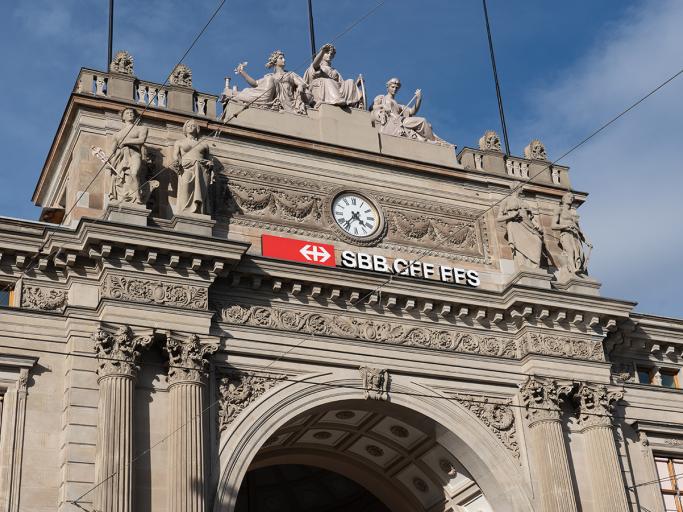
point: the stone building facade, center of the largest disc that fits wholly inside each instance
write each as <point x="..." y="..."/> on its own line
<point x="307" y="305"/>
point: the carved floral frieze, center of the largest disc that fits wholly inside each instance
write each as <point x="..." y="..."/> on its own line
<point x="562" y="346"/>
<point x="237" y="390"/>
<point x="153" y="291"/>
<point x="44" y="299"/>
<point x="496" y="414"/>
<point x="275" y="203"/>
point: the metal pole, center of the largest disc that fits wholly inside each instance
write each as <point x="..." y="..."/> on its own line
<point x="111" y="33"/>
<point x="501" y="112"/>
<point x="311" y="29"/>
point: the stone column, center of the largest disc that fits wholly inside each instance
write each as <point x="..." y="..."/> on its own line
<point x="117" y="356"/>
<point x="186" y="464"/>
<point x="595" y="405"/>
<point x="549" y="462"/>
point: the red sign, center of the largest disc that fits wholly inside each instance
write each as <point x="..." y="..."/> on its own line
<point x="297" y="250"/>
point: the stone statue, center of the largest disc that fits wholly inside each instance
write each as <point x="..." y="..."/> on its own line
<point x="392" y="118"/>
<point x="192" y="162"/>
<point x="535" y="151"/>
<point x="490" y="141"/>
<point x="327" y="85"/>
<point x="279" y="90"/>
<point x="128" y="161"/>
<point x="571" y="238"/>
<point x="523" y="232"/>
<point x="122" y="63"/>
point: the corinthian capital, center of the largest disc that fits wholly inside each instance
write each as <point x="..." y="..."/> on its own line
<point x="541" y="399"/>
<point x="187" y="358"/>
<point x="595" y="405"/>
<point x="118" y="353"/>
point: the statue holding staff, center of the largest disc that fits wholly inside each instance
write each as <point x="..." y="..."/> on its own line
<point x="571" y="238"/>
<point x="128" y="161"/>
<point x="392" y="118"/>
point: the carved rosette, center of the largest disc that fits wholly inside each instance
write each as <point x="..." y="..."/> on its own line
<point x="237" y="391"/>
<point x="118" y="353"/>
<point x="375" y="383"/>
<point x="44" y="299"/>
<point x="497" y="415"/>
<point x="187" y="358"/>
<point x="595" y="404"/>
<point x="541" y="399"/>
<point x="152" y="291"/>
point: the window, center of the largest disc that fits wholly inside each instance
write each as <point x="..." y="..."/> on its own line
<point x="644" y="375"/>
<point x="6" y="295"/>
<point x="669" y="378"/>
<point x="665" y="377"/>
<point x="670" y="473"/>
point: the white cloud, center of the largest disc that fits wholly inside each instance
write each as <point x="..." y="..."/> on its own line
<point x="633" y="170"/>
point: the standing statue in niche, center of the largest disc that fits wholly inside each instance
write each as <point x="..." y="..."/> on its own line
<point x="327" y="85"/>
<point x="523" y="232"/>
<point x="129" y="163"/>
<point x="192" y="162"/>
<point x="392" y="118"/>
<point x="571" y="238"/>
<point x="279" y="90"/>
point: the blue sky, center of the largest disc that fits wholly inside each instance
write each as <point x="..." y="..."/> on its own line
<point x="565" y="68"/>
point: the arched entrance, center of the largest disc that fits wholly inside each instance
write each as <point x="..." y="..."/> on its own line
<point x="412" y="453"/>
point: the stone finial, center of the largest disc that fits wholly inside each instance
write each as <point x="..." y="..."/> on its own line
<point x="375" y="383"/>
<point x="118" y="353"/>
<point x="122" y="63"/>
<point x="187" y="358"/>
<point x="535" y="151"/>
<point x="595" y="405"/>
<point x="490" y="141"/>
<point x="181" y="76"/>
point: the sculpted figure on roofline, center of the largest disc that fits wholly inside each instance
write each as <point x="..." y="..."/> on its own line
<point x="326" y="84"/>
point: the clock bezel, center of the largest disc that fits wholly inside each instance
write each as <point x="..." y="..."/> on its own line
<point x="370" y="239"/>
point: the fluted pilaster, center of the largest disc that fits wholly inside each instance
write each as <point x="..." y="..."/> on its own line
<point x="550" y="464"/>
<point x="595" y="405"/>
<point x="187" y="360"/>
<point x="117" y="356"/>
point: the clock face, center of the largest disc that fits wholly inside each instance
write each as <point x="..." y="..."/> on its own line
<point x="355" y="215"/>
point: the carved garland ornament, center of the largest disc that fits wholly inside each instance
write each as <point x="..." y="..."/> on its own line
<point x="45" y="299"/>
<point x="275" y="203"/>
<point x="155" y="292"/>
<point x="237" y="391"/>
<point x="460" y="235"/>
<point x="497" y="415"/>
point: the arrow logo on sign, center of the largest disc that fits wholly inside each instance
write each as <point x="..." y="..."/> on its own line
<point x="315" y="253"/>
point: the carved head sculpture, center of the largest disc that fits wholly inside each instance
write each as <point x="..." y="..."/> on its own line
<point x="490" y="141"/>
<point x="567" y="200"/>
<point x="129" y="115"/>
<point x="393" y="85"/>
<point x="535" y="151"/>
<point x="122" y="63"/>
<point x="181" y="75"/>
<point x="277" y="58"/>
<point x="190" y="128"/>
<point x="330" y="52"/>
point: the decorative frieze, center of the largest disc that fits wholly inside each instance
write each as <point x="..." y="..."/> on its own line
<point x="44" y="299"/>
<point x="562" y="346"/>
<point x="154" y="291"/>
<point x="118" y="353"/>
<point x="187" y="358"/>
<point x="458" y="235"/>
<point x="275" y="203"/>
<point x="497" y="415"/>
<point x="236" y="391"/>
<point x="375" y="382"/>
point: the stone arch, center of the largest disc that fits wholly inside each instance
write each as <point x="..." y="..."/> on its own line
<point x="495" y="470"/>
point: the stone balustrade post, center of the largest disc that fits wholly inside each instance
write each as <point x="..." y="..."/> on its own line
<point x="187" y="382"/>
<point x="549" y="461"/>
<point x="117" y="356"/>
<point x="595" y="404"/>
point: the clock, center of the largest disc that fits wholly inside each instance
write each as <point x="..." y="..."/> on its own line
<point x="356" y="215"/>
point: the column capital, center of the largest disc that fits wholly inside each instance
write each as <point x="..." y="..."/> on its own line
<point x="119" y="353"/>
<point x="188" y="358"/>
<point x="595" y="404"/>
<point x="541" y="399"/>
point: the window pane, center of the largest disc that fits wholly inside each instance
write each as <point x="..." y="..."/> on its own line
<point x="4" y="297"/>
<point x="664" y="476"/>
<point x="668" y="380"/>
<point x="678" y="471"/>
<point x="643" y="376"/>
<point x="670" y="503"/>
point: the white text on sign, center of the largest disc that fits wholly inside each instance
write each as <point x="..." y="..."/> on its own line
<point x="412" y="268"/>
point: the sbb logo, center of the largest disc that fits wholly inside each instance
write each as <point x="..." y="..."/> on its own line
<point x="297" y="250"/>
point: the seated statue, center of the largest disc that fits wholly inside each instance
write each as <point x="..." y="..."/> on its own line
<point x="279" y="90"/>
<point x="392" y="118"/>
<point x="326" y="84"/>
<point x="194" y="166"/>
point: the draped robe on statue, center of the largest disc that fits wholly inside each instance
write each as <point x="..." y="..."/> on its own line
<point x="193" y="184"/>
<point x="277" y="93"/>
<point x="326" y="85"/>
<point x="523" y="237"/>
